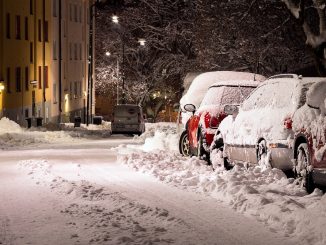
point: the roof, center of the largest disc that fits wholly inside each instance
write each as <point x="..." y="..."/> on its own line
<point x="240" y="83"/>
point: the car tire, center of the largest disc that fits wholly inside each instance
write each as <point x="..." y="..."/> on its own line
<point x="184" y="144"/>
<point x="201" y="152"/>
<point x="302" y="167"/>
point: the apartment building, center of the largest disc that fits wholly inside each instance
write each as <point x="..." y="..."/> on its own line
<point x="44" y="59"/>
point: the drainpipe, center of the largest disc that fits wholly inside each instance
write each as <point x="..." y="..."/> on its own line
<point x="60" y="62"/>
<point x="43" y="58"/>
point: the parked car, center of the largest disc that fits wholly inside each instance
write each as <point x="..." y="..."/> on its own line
<point x="127" y="119"/>
<point x="261" y="131"/>
<point x="201" y="127"/>
<point x="196" y="93"/>
<point x="310" y="138"/>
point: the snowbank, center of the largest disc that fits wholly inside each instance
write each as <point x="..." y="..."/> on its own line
<point x="265" y="194"/>
<point x="13" y="136"/>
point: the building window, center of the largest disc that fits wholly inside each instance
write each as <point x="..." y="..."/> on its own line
<point x="87" y="16"/>
<point x="8" y="25"/>
<point x="18" y="79"/>
<point x="17" y="27"/>
<point x="46" y="31"/>
<point x="39" y="30"/>
<point x="70" y="12"/>
<point x="54" y="8"/>
<point x="80" y="51"/>
<point x="75" y="51"/>
<point x="54" y="49"/>
<point x="80" y="14"/>
<point x="80" y="89"/>
<point x="70" y="50"/>
<point x="40" y="77"/>
<point x="70" y="90"/>
<point x="75" y="13"/>
<point x="54" y="93"/>
<point x="31" y="8"/>
<point x="76" y="90"/>
<point x="26" y="78"/>
<point x="8" y="80"/>
<point x="26" y="28"/>
<point x="31" y="52"/>
<point x="46" y="76"/>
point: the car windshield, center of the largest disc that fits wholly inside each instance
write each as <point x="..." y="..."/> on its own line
<point x="223" y="95"/>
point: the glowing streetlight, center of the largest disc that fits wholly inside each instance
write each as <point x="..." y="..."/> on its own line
<point x="2" y="86"/>
<point x="115" y="19"/>
<point x="142" y="42"/>
<point x="107" y="53"/>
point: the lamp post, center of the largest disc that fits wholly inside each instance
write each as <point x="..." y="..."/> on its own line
<point x="108" y="54"/>
<point x="141" y="41"/>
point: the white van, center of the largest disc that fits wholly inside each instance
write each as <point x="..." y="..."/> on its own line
<point x="127" y="119"/>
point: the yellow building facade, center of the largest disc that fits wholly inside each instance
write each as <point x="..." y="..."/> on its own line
<point x="44" y="59"/>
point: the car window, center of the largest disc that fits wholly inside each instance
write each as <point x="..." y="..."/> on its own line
<point x="235" y="95"/>
<point x="255" y="99"/>
<point x="274" y="95"/>
<point x="213" y="96"/>
<point x="126" y="111"/>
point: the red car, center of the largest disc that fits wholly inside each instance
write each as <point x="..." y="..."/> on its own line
<point x="201" y="127"/>
<point x="310" y="138"/>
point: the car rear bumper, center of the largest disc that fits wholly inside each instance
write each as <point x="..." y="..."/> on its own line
<point x="127" y="128"/>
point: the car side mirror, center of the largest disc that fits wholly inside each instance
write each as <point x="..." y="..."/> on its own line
<point x="190" y="108"/>
<point x="231" y="110"/>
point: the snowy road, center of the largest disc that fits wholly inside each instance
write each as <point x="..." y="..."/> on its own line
<point x="80" y="194"/>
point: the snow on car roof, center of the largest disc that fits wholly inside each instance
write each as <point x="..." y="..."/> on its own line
<point x="244" y="83"/>
<point x="203" y="81"/>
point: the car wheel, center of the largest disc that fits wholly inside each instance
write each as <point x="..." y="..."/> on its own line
<point x="302" y="169"/>
<point x="201" y="152"/>
<point x="184" y="144"/>
<point x="263" y="155"/>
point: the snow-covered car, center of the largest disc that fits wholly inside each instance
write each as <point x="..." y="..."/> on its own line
<point x="201" y="127"/>
<point x="127" y="119"/>
<point x="197" y="91"/>
<point x="261" y="132"/>
<point x="309" y="125"/>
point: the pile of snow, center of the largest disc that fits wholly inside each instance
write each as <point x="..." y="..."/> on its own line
<point x="8" y="126"/>
<point x="12" y="135"/>
<point x="264" y="193"/>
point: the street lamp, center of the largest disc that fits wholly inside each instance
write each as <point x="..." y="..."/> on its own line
<point x="2" y="86"/>
<point x="108" y="54"/>
<point x="141" y="41"/>
<point x="115" y="19"/>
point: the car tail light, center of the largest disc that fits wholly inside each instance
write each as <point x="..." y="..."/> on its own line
<point x="288" y="123"/>
<point x="139" y="118"/>
<point x="215" y="121"/>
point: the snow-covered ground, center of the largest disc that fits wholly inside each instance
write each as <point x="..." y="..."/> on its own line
<point x="79" y="186"/>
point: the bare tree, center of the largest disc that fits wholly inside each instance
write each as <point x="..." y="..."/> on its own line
<point x="312" y="17"/>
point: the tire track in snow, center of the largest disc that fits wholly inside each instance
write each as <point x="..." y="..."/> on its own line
<point x="6" y="238"/>
<point x="105" y="216"/>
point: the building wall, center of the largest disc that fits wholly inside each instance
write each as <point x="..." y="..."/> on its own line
<point x="37" y="54"/>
